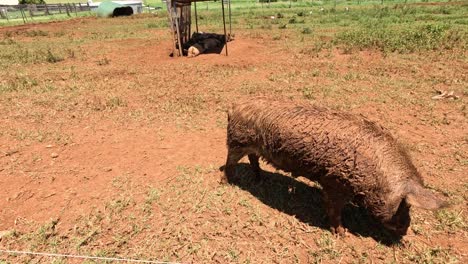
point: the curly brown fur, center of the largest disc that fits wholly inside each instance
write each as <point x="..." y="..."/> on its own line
<point x="351" y="157"/>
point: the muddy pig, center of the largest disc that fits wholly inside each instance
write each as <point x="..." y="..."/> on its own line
<point x="352" y="158"/>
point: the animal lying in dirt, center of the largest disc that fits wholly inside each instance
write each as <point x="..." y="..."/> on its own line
<point x="204" y="43"/>
<point x="352" y="158"/>
<point x="203" y="46"/>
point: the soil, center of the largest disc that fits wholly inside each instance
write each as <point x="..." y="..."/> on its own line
<point x="89" y="145"/>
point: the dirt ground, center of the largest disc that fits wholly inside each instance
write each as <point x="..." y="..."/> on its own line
<point x="120" y="155"/>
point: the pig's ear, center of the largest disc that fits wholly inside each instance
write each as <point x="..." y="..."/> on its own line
<point x="423" y="198"/>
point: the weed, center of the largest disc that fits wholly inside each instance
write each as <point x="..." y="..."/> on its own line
<point x="266" y="26"/>
<point x="103" y="61"/>
<point x="70" y="53"/>
<point x="306" y="30"/>
<point x="18" y="83"/>
<point x="52" y="57"/>
<point x="431" y="255"/>
<point x="7" y="41"/>
<point x="118" y="205"/>
<point x="451" y="221"/>
<point x="59" y="34"/>
<point x="308" y="93"/>
<point x="233" y="254"/>
<point x="115" y="102"/>
<point x="152" y="196"/>
<point x="36" y="33"/>
<point x="327" y="248"/>
<point x="410" y="39"/>
<point x="152" y="25"/>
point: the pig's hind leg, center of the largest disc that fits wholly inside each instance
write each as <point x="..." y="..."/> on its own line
<point x="334" y="200"/>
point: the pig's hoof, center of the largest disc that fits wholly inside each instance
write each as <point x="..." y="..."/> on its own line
<point x="223" y="179"/>
<point x="340" y="231"/>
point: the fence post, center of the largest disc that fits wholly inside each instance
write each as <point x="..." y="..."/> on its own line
<point x="23" y="15"/>
<point x="47" y="10"/>
<point x="74" y="6"/>
<point x="67" y="9"/>
<point x="31" y="12"/>
<point x="4" y="13"/>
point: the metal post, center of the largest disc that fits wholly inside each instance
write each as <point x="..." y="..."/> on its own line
<point x="31" y="12"/>
<point x="171" y="22"/>
<point x="196" y="16"/>
<point x="67" y="9"/>
<point x="23" y="15"/>
<point x="6" y="13"/>
<point x="224" y="24"/>
<point x="179" y="40"/>
<point x="230" y="23"/>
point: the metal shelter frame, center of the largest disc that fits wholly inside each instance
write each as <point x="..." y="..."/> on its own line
<point x="179" y="12"/>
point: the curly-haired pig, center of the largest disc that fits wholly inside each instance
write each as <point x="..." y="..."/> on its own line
<point x="352" y="158"/>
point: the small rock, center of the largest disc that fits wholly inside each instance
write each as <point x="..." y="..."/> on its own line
<point x="107" y="169"/>
<point x="49" y="146"/>
<point x="54" y="155"/>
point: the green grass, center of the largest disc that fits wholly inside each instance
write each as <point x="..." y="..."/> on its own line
<point x="16" y="19"/>
<point x="404" y="40"/>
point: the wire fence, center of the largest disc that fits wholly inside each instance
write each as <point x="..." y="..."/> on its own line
<point x="83" y="257"/>
<point x="30" y="12"/>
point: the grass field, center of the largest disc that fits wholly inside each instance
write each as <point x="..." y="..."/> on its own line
<point x="111" y="148"/>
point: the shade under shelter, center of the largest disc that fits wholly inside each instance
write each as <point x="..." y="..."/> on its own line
<point x="180" y="22"/>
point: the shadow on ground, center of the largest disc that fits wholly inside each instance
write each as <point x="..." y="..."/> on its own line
<point x="303" y="201"/>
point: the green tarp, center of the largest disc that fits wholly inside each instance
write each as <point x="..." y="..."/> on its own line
<point x="111" y="9"/>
